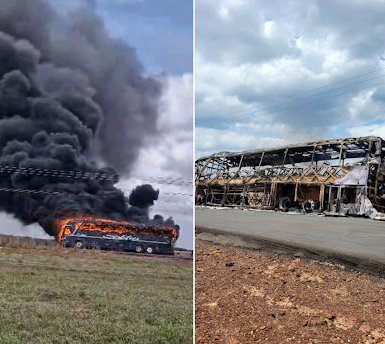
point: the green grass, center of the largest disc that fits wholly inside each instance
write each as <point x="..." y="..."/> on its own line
<point x="65" y="296"/>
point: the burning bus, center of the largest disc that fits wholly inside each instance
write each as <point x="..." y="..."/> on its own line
<point x="116" y="235"/>
<point x="345" y="175"/>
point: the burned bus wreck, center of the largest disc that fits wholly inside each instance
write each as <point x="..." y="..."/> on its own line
<point x="345" y="176"/>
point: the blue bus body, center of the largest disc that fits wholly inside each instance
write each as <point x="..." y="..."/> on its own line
<point x="110" y="240"/>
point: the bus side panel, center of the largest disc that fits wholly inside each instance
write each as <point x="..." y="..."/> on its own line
<point x="100" y="240"/>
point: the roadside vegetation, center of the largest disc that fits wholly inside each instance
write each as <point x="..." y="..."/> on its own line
<point x="55" y="296"/>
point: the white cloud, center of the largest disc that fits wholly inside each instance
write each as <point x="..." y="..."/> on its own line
<point x="362" y="105"/>
<point x="210" y="141"/>
<point x="171" y="155"/>
<point x="227" y="7"/>
<point x="224" y="13"/>
<point x="175" y="146"/>
<point x="268" y="29"/>
<point x="11" y="226"/>
<point x="368" y="130"/>
<point x="262" y="51"/>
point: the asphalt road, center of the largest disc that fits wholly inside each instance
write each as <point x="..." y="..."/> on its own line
<point x="356" y="237"/>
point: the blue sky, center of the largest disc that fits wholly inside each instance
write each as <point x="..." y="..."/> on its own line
<point x="160" y="31"/>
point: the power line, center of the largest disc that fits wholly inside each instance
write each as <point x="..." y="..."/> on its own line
<point x="41" y="192"/>
<point x="314" y="95"/>
<point x="55" y="193"/>
<point x="172" y="211"/>
<point x="295" y="95"/>
<point x="316" y="100"/>
<point x="87" y="175"/>
<point x="164" y="193"/>
<point x="172" y="202"/>
<point x="58" y="173"/>
<point x="259" y="108"/>
<point x="163" y="180"/>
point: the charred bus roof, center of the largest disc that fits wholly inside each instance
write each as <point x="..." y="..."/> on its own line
<point x="354" y="147"/>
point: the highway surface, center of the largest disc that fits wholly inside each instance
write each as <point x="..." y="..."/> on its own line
<point x="351" y="236"/>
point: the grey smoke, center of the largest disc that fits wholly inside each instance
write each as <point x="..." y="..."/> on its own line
<point x="11" y="226"/>
<point x="71" y="98"/>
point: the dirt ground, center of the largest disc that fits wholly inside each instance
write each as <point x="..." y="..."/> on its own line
<point x="245" y="296"/>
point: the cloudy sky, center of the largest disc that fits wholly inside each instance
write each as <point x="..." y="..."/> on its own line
<point x="256" y="59"/>
<point x="162" y="35"/>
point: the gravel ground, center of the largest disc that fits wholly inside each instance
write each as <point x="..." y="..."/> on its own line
<point x="245" y="296"/>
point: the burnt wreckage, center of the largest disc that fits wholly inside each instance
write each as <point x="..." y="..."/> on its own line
<point x="338" y="176"/>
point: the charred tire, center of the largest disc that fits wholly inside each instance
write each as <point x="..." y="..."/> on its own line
<point x="310" y="205"/>
<point x="138" y="249"/>
<point x="200" y="200"/>
<point x="284" y="203"/>
<point x="149" y="249"/>
<point x="79" y="244"/>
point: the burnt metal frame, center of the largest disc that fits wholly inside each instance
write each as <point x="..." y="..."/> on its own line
<point x="229" y="178"/>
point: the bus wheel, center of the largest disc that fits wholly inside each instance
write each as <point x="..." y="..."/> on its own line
<point x="284" y="203"/>
<point x="138" y="249"/>
<point x="79" y="244"/>
<point x="310" y="205"/>
<point x="150" y="250"/>
<point x="95" y="246"/>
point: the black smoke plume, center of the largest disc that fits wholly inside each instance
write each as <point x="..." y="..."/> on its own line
<point x="141" y="199"/>
<point x="71" y="98"/>
<point x="143" y="196"/>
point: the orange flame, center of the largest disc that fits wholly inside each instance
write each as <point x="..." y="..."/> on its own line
<point x="111" y="226"/>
